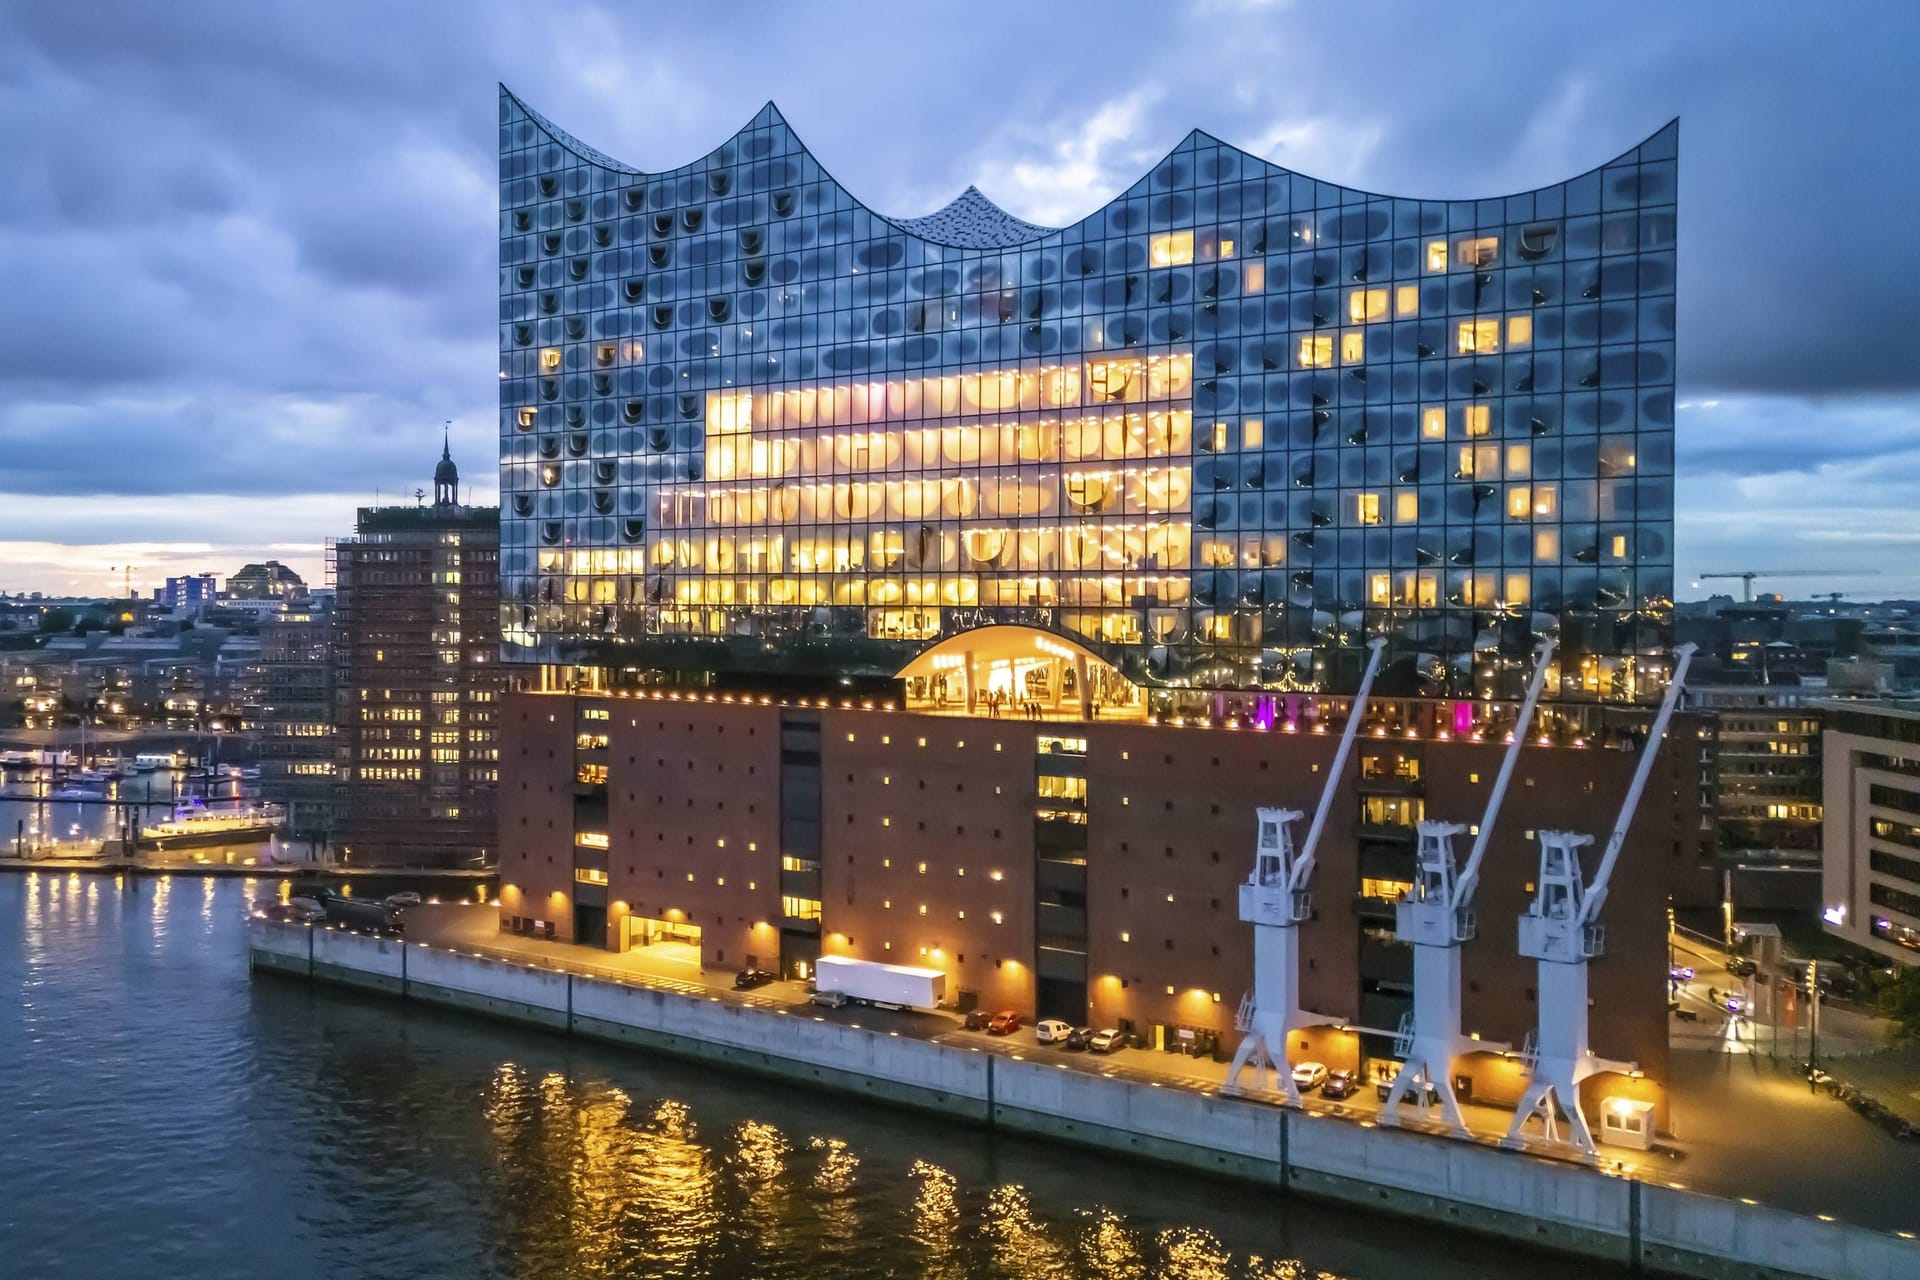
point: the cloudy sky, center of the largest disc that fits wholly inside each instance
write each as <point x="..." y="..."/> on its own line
<point x="248" y="249"/>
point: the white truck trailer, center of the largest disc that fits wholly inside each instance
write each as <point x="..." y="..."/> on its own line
<point x="893" y="986"/>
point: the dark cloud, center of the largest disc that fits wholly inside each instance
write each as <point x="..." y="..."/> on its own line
<point x="249" y="248"/>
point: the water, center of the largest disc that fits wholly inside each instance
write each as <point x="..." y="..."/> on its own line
<point x="163" y="1115"/>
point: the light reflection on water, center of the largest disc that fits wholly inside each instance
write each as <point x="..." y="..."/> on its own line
<point x="168" y="1116"/>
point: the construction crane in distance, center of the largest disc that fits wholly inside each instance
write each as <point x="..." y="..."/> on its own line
<point x="1747" y="576"/>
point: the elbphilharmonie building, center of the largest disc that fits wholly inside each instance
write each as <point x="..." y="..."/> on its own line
<point x="1215" y="435"/>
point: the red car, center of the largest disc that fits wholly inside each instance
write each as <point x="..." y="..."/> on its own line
<point x="1005" y="1022"/>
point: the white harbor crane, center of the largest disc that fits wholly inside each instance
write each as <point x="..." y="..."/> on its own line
<point x="1275" y="900"/>
<point x="1562" y="930"/>
<point x="1436" y="917"/>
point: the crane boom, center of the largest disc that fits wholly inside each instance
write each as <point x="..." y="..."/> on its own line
<point x="1597" y="893"/>
<point x="1303" y="865"/>
<point x="1470" y="874"/>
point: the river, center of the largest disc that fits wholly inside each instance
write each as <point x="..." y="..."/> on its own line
<point x="164" y="1115"/>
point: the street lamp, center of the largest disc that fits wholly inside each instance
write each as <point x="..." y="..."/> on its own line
<point x="1813" y="1023"/>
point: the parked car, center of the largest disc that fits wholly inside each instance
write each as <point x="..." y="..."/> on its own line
<point x="1003" y="1023"/>
<point x="1308" y="1076"/>
<point x="305" y="910"/>
<point x="1340" y="1084"/>
<point x="1051" y="1031"/>
<point x="977" y="1019"/>
<point x="829" y="999"/>
<point x="1741" y="966"/>
<point x="405" y="898"/>
<point x="1108" y="1040"/>
<point x="1079" y="1038"/>
<point x="1419" y="1093"/>
<point x="748" y="979"/>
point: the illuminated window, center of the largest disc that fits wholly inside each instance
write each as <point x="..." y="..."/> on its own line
<point x="1518" y="586"/>
<point x="591" y="839"/>
<point x="1619" y="546"/>
<point x="589" y="875"/>
<point x="1219" y="437"/>
<point x="527" y="417"/>
<point x="1387" y="889"/>
<point x="1433" y="424"/>
<point x="1253" y="433"/>
<point x="1256" y="277"/>
<point x="998" y="918"/>
<point x="1406" y="506"/>
<point x="1367" y="507"/>
<point x="1365" y="305"/>
<point x="1466" y="463"/>
<point x="1479" y="251"/>
<point x="1226" y="248"/>
<point x="1406" y="300"/>
<point x="1436" y="255"/>
<point x="1479" y="419"/>
<point x="1546" y="545"/>
<point x="1519" y="330"/>
<point x="1519" y="460"/>
<point x="549" y="359"/>
<point x="1173" y="249"/>
<point x="1546" y="500"/>
<point x="1479" y="336"/>
<point x="1380" y="589"/>
<point x="1316" y="351"/>
<point x="1519" y="501"/>
<point x="802" y="908"/>
<point x="1353" y="348"/>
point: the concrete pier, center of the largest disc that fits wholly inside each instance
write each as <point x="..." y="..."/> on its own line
<point x="1548" y="1204"/>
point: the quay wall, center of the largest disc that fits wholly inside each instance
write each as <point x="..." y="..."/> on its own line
<point x="1548" y="1204"/>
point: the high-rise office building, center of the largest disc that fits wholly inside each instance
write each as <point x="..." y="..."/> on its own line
<point x="418" y="681"/>
<point x="295" y="719"/>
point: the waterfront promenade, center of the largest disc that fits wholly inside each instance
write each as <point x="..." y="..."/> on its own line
<point x="1748" y="1128"/>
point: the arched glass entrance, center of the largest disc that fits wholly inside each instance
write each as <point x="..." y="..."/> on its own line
<point x="1019" y="673"/>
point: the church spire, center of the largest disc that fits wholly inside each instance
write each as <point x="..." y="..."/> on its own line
<point x="446" y="476"/>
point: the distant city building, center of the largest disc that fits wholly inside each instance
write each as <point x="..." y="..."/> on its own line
<point x="1871" y="854"/>
<point x="1766" y="765"/>
<point x="295" y="720"/>
<point x="418" y="681"/>
<point x="269" y="581"/>
<point x="190" y="593"/>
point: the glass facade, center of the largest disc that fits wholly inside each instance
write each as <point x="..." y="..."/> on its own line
<point x="1222" y="431"/>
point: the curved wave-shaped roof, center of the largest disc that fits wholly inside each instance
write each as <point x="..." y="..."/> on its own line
<point x="971" y="220"/>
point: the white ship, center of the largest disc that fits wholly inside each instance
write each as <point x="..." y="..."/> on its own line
<point x="192" y="823"/>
